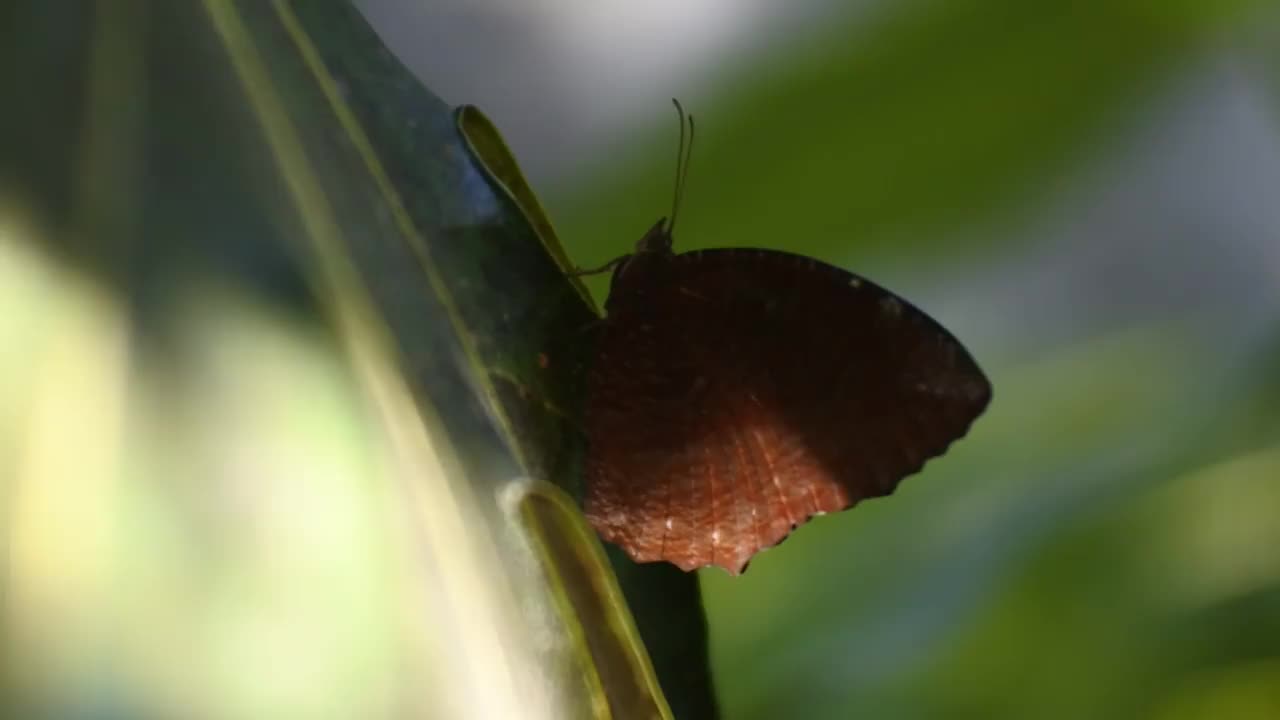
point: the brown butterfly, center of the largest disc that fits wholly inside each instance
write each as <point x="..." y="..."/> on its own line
<point x="736" y="393"/>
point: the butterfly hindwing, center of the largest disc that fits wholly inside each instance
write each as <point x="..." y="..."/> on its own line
<point x="738" y="392"/>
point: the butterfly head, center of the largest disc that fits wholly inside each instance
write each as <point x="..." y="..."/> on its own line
<point x="645" y="266"/>
<point x="657" y="239"/>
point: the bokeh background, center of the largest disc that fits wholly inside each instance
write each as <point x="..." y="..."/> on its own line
<point x="1085" y="193"/>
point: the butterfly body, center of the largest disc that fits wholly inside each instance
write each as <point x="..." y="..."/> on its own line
<point x="736" y="393"/>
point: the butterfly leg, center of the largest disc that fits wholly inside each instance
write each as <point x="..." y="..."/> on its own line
<point x="607" y="267"/>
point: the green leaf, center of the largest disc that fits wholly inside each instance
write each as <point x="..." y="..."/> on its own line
<point x="279" y="148"/>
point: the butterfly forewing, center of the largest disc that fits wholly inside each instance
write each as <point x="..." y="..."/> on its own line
<point x="736" y="393"/>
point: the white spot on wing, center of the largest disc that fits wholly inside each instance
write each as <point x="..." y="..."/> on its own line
<point x="668" y="523"/>
<point x="855" y="282"/>
<point x="891" y="306"/>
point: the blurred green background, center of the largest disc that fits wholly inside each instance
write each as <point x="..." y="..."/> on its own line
<point x="1085" y="193"/>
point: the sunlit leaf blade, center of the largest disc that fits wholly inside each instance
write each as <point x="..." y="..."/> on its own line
<point x="278" y="147"/>
<point x="514" y="309"/>
<point x="486" y="281"/>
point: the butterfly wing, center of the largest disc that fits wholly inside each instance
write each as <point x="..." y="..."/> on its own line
<point x="737" y="393"/>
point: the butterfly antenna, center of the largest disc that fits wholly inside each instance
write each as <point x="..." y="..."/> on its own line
<point x="683" y="152"/>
